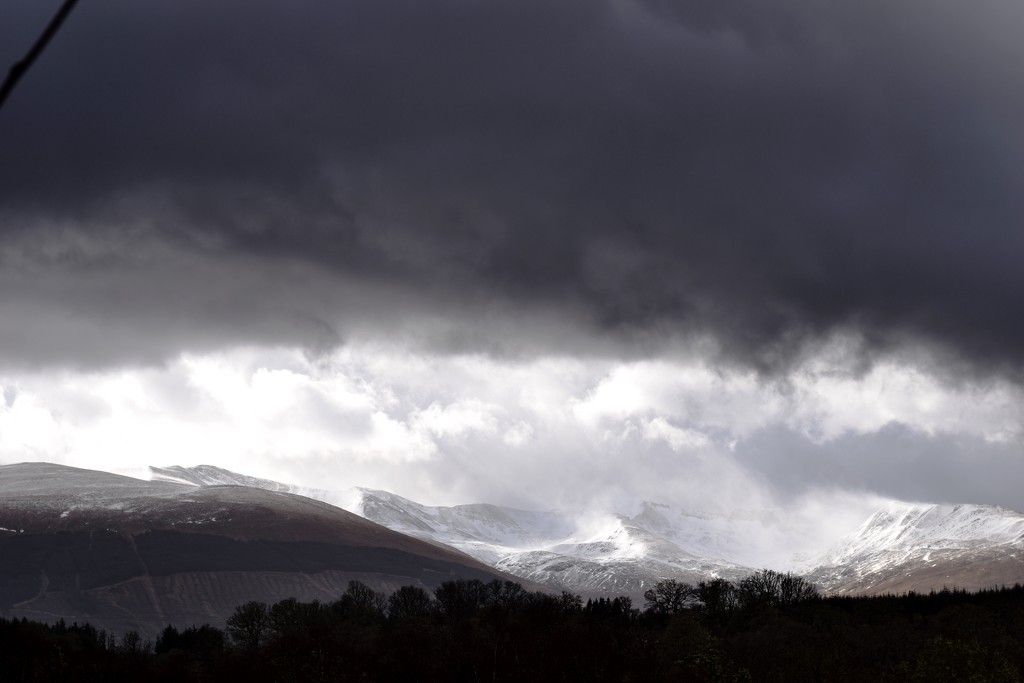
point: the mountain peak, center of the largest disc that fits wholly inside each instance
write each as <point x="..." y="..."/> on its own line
<point x="914" y="546"/>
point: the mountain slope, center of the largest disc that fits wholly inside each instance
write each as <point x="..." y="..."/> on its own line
<point x="902" y="547"/>
<point x="129" y="554"/>
<point x="583" y="552"/>
<point x="927" y="547"/>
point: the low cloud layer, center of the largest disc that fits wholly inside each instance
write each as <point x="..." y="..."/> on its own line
<point x="543" y="433"/>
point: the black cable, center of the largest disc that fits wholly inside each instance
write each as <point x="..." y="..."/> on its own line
<point x="20" y="67"/>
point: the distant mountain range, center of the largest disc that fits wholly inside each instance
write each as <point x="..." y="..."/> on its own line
<point x="901" y="547"/>
<point x="124" y="554"/>
<point x="584" y="552"/>
<point x="190" y="544"/>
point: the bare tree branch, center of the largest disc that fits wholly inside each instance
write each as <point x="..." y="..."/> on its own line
<point x="20" y="67"/>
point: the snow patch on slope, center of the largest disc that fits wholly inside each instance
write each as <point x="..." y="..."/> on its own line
<point x="601" y="552"/>
<point x="902" y="535"/>
<point x="581" y="550"/>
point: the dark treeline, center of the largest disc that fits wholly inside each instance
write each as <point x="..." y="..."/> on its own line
<point x="767" y="627"/>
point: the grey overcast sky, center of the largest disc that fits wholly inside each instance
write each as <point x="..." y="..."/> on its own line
<point x="717" y="252"/>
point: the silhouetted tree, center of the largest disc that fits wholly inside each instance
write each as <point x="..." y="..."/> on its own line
<point x="570" y="603"/>
<point x="410" y="601"/>
<point x="169" y="639"/>
<point x="794" y="589"/>
<point x="291" y="618"/>
<point x="506" y="595"/>
<point x="459" y="598"/>
<point x="669" y="597"/>
<point x="766" y="588"/>
<point x="204" y="642"/>
<point x="950" y="635"/>
<point x="362" y="603"/>
<point x="249" y="624"/>
<point x="716" y="598"/>
<point x="132" y="644"/>
<point x="760" y="589"/>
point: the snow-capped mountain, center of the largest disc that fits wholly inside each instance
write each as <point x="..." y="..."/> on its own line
<point x="209" y="475"/>
<point x="925" y="547"/>
<point x="487" y="532"/>
<point x="585" y="552"/>
<point x="591" y="553"/>
<point x="901" y="547"/>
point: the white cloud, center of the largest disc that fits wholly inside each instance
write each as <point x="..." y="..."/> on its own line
<point x="829" y="404"/>
<point x="393" y="441"/>
<point x="518" y="435"/>
<point x="453" y="429"/>
<point x="679" y="439"/>
<point x="29" y="431"/>
<point x="456" y="419"/>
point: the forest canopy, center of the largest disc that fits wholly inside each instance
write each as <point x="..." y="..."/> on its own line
<point x="766" y="627"/>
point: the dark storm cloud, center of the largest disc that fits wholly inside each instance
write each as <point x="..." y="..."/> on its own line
<point x="764" y="171"/>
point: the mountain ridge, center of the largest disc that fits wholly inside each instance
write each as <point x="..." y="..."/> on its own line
<point x="586" y="553"/>
<point x="124" y="554"/>
<point x="910" y="546"/>
<point x="902" y="546"/>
